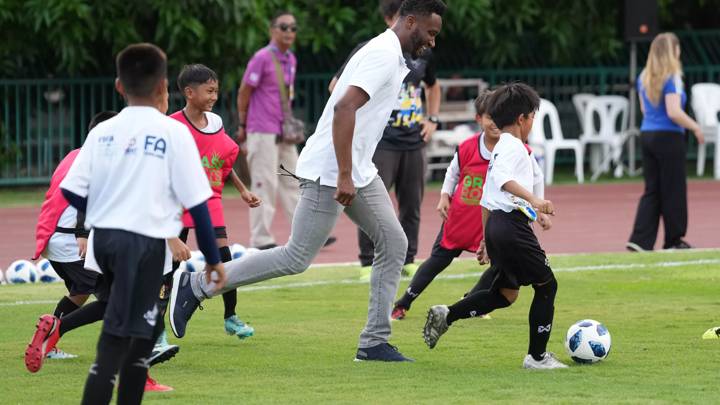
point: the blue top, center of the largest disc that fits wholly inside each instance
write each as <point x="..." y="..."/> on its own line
<point x="656" y="117"/>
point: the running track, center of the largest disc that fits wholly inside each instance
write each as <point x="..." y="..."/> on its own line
<point x="590" y="218"/>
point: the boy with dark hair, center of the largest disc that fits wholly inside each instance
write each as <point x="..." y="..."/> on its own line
<point x="132" y="177"/>
<point x="510" y="242"/>
<point x="459" y="206"/>
<point x="61" y="238"/>
<point x="200" y="85"/>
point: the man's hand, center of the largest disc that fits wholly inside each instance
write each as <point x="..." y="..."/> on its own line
<point x="544" y="206"/>
<point x="251" y="199"/>
<point x="180" y="251"/>
<point x="443" y="206"/>
<point x="215" y="276"/>
<point x="428" y="129"/>
<point x="482" y="256"/>
<point x="699" y="135"/>
<point x="345" y="190"/>
<point x="82" y="246"/>
<point x="544" y="221"/>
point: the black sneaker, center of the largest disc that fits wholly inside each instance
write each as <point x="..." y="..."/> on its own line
<point x="634" y="247"/>
<point x="381" y="352"/>
<point x="680" y="245"/>
<point x="183" y="303"/>
<point x="161" y="354"/>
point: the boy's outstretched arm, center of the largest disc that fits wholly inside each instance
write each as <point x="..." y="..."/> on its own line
<point x="514" y="188"/>
<point x="248" y="196"/>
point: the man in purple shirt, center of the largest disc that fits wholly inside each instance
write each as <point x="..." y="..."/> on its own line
<point x="261" y="117"/>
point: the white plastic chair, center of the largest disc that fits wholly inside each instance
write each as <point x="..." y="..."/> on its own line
<point x="555" y="142"/>
<point x="580" y="101"/>
<point x="609" y="110"/>
<point x="706" y="105"/>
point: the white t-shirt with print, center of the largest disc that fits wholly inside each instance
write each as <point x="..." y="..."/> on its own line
<point x="138" y="170"/>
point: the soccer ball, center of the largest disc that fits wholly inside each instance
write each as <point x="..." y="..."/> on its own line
<point x="588" y="341"/>
<point x="196" y="262"/>
<point x="250" y="251"/>
<point x="21" y="271"/>
<point x="237" y="251"/>
<point x="46" y="272"/>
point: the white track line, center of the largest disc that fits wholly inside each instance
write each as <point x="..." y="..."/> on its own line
<point x="306" y="284"/>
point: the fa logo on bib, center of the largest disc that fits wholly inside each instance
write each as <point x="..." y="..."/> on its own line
<point x="155" y="146"/>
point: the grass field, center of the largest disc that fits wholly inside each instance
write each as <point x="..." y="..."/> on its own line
<point x="655" y="305"/>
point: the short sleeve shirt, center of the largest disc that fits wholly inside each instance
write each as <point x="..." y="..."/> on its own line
<point x="265" y="113"/>
<point x="656" y="117"/>
<point x="138" y="170"/>
<point x="403" y="130"/>
<point x="378" y="69"/>
<point x="510" y="161"/>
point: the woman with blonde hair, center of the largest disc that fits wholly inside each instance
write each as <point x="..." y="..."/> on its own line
<point x="662" y="101"/>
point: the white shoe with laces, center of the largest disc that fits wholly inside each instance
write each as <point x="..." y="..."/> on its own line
<point x="57" y="354"/>
<point x="548" y="362"/>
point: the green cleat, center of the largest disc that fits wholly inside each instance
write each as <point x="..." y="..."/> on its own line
<point x="410" y="269"/>
<point x="235" y="326"/>
<point x="712" y="333"/>
<point x="365" y="273"/>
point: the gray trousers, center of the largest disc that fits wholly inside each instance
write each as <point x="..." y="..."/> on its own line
<point x="315" y="216"/>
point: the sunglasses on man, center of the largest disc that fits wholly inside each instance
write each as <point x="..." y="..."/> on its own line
<point x="286" y="27"/>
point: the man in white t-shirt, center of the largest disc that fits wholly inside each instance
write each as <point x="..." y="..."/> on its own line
<point x="509" y="206"/>
<point x="132" y="177"/>
<point x="337" y="174"/>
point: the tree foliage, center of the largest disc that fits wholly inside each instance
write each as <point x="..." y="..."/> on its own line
<point x="81" y="37"/>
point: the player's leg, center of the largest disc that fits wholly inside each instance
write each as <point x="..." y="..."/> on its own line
<point x="439" y="260"/>
<point x="136" y="264"/>
<point x="647" y="217"/>
<point x="410" y="188"/>
<point x="234" y="326"/>
<point x="673" y="191"/>
<point x="263" y="164"/>
<point x="315" y="217"/>
<point x="387" y="163"/>
<point x="373" y="212"/>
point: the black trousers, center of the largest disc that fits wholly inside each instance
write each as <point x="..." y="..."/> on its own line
<point x="405" y="170"/>
<point x="664" y="170"/>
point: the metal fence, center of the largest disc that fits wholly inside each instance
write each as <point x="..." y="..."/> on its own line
<point x="41" y="120"/>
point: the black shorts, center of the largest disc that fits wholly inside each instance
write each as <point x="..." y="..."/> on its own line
<point x="132" y="267"/>
<point x="515" y="252"/>
<point x="439" y="251"/>
<point x="78" y="281"/>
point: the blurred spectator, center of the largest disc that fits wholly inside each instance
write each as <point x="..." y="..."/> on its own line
<point x="662" y="101"/>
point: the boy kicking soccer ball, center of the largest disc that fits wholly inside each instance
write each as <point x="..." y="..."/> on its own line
<point x="508" y="211"/>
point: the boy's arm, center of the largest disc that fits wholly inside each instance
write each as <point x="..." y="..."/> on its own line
<point x="452" y="176"/>
<point x="180" y="251"/>
<point x="482" y="255"/>
<point x="517" y="190"/>
<point x="248" y="196"/>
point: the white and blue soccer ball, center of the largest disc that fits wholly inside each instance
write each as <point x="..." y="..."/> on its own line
<point x="20" y="272"/>
<point x="46" y="272"/>
<point x="588" y="341"/>
<point x="251" y="250"/>
<point x="237" y="250"/>
<point x="196" y="262"/>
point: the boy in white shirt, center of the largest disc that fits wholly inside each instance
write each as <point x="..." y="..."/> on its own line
<point x="132" y="176"/>
<point x="508" y="211"/>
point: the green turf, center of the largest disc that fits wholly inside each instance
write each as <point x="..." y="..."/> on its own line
<point x="306" y="338"/>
